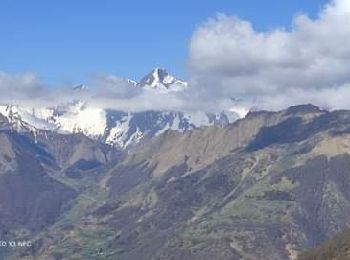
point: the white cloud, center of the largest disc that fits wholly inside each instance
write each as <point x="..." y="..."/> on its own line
<point x="308" y="64"/>
<point x="10" y="83"/>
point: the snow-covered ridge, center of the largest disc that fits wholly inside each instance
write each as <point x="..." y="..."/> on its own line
<point x="72" y="118"/>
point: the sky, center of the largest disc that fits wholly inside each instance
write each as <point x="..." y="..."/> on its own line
<point x="68" y="42"/>
<point x="236" y="55"/>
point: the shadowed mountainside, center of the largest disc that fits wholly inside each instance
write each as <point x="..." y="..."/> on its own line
<point x="37" y="185"/>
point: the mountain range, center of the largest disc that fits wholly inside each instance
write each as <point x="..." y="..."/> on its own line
<point x="121" y="129"/>
<point x="268" y="186"/>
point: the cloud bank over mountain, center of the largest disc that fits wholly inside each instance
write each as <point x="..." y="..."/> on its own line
<point x="106" y="91"/>
<point x="310" y="63"/>
<point x="229" y="60"/>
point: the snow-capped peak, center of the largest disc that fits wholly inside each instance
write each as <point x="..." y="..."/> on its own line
<point x="159" y="78"/>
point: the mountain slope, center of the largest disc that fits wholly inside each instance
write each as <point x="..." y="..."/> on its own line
<point x="266" y="187"/>
<point x="41" y="180"/>
<point x="338" y="248"/>
<point x="31" y="200"/>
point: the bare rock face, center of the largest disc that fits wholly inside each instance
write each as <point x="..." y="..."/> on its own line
<point x="202" y="147"/>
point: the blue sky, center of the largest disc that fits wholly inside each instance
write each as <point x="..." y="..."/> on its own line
<point x="67" y="41"/>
